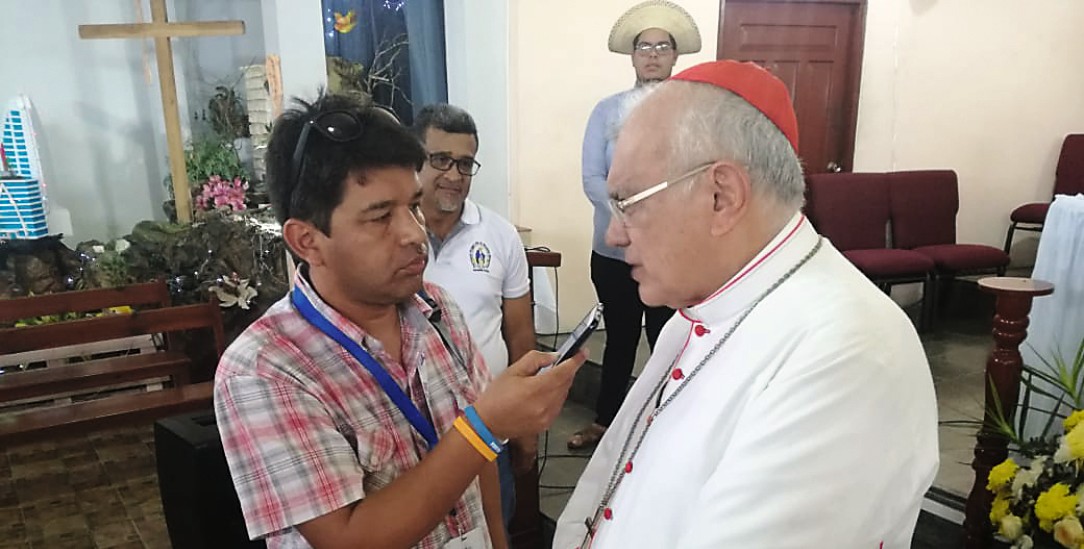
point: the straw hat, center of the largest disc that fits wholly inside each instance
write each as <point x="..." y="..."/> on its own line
<point x="659" y="14"/>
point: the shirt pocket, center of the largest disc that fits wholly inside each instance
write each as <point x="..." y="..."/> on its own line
<point x="375" y="448"/>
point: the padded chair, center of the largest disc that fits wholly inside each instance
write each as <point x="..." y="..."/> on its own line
<point x="852" y="210"/>
<point x="1068" y="179"/>
<point x="924" y="205"/>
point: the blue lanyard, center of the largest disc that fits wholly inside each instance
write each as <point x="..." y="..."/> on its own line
<point x="396" y="394"/>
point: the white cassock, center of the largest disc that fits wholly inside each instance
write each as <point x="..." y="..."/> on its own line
<point x="813" y="426"/>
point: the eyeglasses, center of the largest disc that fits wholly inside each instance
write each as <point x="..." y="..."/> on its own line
<point x="619" y="208"/>
<point x="339" y="126"/>
<point x="465" y="166"/>
<point x="662" y="48"/>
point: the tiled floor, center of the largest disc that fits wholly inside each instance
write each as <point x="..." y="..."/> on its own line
<point x="88" y="491"/>
<point x="101" y="490"/>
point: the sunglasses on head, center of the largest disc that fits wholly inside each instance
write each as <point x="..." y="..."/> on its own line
<point x="340" y="126"/>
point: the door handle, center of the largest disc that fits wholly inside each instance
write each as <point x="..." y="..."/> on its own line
<point x="834" y="167"/>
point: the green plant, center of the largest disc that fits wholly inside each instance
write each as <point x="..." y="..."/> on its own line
<point x="114" y="269"/>
<point x="1039" y="490"/>
<point x="205" y="157"/>
<point x="227" y="115"/>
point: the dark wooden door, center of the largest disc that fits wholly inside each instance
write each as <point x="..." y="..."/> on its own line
<point x="816" y="49"/>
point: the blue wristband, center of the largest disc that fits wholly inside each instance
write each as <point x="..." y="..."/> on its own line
<point x="483" y="432"/>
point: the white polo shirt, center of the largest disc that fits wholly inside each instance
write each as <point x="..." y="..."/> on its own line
<point x="480" y="264"/>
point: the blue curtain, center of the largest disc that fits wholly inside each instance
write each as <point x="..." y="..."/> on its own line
<point x="422" y="71"/>
<point x="428" y="65"/>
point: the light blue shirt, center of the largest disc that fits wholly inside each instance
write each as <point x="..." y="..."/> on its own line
<point x="598" y="152"/>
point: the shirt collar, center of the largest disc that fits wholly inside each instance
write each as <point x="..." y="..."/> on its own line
<point x="471" y="214"/>
<point x="301" y="281"/>
<point x="783" y="252"/>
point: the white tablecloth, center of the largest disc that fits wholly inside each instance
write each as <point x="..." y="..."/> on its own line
<point x="1057" y="320"/>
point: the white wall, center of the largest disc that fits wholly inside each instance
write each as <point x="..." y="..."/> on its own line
<point x="97" y="103"/>
<point x="293" y="30"/>
<point x="477" y="51"/>
<point x="989" y="91"/>
<point x="559" y="68"/>
<point x="99" y="119"/>
<point x="215" y="60"/>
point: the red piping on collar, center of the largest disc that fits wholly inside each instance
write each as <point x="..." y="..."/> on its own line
<point x="748" y="269"/>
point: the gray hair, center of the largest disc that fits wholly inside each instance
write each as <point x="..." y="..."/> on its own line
<point x="629" y="101"/>
<point x="443" y="117"/>
<point x="716" y="124"/>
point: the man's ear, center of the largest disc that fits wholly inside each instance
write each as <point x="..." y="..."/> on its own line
<point x="731" y="193"/>
<point x="305" y="240"/>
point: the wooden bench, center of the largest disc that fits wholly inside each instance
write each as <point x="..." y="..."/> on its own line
<point x="92" y="374"/>
<point x="111" y="411"/>
<point x="152" y="315"/>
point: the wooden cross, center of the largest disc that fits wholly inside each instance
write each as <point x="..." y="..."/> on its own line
<point x="162" y="30"/>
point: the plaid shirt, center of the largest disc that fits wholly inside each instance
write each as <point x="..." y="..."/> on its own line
<point x="307" y="430"/>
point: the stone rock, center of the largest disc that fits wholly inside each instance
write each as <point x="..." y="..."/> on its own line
<point x="39" y="273"/>
<point x="8" y="287"/>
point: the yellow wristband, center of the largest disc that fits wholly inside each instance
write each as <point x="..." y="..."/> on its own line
<point x="468" y="433"/>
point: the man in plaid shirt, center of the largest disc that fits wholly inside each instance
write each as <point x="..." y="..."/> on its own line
<point x="320" y="454"/>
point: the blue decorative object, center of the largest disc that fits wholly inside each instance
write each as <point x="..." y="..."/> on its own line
<point x="22" y="209"/>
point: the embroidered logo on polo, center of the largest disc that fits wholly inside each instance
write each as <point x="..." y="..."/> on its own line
<point x="480" y="257"/>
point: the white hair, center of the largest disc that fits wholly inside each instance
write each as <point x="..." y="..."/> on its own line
<point x="715" y="124"/>
<point x="629" y="101"/>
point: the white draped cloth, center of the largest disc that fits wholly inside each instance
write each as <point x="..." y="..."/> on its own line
<point x="813" y="425"/>
<point x="1057" y="320"/>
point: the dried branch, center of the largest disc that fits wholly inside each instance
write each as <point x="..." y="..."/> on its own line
<point x="385" y="70"/>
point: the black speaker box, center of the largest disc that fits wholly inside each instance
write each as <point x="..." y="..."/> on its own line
<point x="200" y="504"/>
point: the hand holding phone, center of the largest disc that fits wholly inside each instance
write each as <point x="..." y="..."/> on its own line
<point x="579" y="335"/>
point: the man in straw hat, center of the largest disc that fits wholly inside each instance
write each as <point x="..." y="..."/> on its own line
<point x="653" y="34"/>
<point x="789" y="403"/>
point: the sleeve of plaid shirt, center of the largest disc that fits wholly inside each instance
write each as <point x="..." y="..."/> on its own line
<point x="288" y="461"/>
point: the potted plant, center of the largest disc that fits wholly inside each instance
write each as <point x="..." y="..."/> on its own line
<point x="206" y="158"/>
<point x="227" y="115"/>
<point x="1039" y="490"/>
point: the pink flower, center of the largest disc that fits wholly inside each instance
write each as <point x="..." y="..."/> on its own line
<point x="221" y="194"/>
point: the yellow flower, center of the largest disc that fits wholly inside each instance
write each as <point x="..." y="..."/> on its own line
<point x="1001" y="475"/>
<point x="1053" y="505"/>
<point x="1068" y="532"/>
<point x="999" y="509"/>
<point x="1075" y="439"/>
<point x="1073" y="419"/>
<point x="1011" y="527"/>
<point x="1072" y="446"/>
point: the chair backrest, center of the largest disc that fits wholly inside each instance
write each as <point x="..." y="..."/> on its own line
<point x="88" y="330"/>
<point x="1069" y="177"/>
<point x="135" y="295"/>
<point x="923" y="207"/>
<point x="850" y="209"/>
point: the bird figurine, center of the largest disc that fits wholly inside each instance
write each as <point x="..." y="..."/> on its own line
<point x="346" y="23"/>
